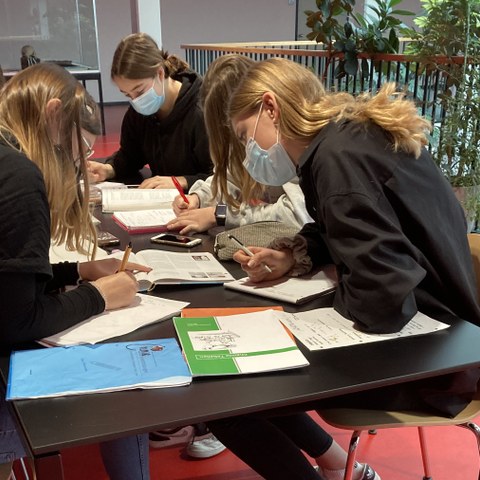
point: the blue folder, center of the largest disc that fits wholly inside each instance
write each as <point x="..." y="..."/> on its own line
<point x="104" y="367"/>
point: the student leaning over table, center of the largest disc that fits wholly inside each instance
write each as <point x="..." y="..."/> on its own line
<point x="47" y="125"/>
<point x="382" y="213"/>
<point x="247" y="201"/>
<point x="164" y="126"/>
<point x="298" y="431"/>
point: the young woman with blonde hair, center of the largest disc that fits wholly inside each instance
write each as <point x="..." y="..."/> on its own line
<point x="247" y="201"/>
<point x="45" y="119"/>
<point x="164" y="126"/>
<point x="383" y="214"/>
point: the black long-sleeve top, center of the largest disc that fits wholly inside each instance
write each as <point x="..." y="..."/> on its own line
<point x="30" y="308"/>
<point x="397" y="234"/>
<point x="391" y="224"/>
<point x="176" y="145"/>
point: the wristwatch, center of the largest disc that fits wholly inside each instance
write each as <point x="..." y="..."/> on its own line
<point x="220" y="214"/>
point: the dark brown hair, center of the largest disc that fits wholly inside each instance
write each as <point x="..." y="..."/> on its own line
<point x="137" y="56"/>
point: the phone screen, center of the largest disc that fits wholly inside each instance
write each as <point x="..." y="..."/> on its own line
<point x="175" y="238"/>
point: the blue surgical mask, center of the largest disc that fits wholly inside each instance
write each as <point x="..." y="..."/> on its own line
<point x="149" y="102"/>
<point x="269" y="167"/>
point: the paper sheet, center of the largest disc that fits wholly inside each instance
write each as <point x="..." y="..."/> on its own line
<point x="324" y="328"/>
<point x="146" y="309"/>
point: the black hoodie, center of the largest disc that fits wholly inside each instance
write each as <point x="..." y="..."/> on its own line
<point x="176" y="145"/>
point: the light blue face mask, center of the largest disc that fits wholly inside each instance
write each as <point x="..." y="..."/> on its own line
<point x="269" y="167"/>
<point x="149" y="102"/>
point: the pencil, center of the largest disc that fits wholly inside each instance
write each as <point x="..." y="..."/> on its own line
<point x="180" y="189"/>
<point x="242" y="247"/>
<point x="128" y="250"/>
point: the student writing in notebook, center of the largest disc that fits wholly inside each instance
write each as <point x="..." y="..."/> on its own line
<point x="47" y="126"/>
<point x="231" y="180"/>
<point x="383" y="214"/>
<point x="164" y="127"/>
<point x="246" y="201"/>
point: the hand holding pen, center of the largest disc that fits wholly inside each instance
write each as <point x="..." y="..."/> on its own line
<point x="246" y="250"/>
<point x="180" y="189"/>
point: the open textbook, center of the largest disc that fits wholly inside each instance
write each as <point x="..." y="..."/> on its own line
<point x="291" y="289"/>
<point x="106" y="367"/>
<point x="324" y="328"/>
<point x="144" y="310"/>
<point x="175" y="268"/>
<point x="125" y="199"/>
<point x="235" y="344"/>
<point x="144" y="221"/>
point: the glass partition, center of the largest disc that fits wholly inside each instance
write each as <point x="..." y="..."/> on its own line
<point x="63" y="31"/>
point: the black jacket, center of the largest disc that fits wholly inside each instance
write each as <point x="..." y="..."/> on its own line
<point x="393" y="227"/>
<point x="176" y="145"/>
<point x="397" y="235"/>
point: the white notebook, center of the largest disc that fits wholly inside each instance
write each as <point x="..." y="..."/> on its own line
<point x="127" y="199"/>
<point x="290" y="289"/>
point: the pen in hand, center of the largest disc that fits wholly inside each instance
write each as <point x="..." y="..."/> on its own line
<point x="242" y="247"/>
<point x="124" y="262"/>
<point x="180" y="189"/>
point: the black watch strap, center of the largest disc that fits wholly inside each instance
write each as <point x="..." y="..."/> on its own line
<point x="221" y="214"/>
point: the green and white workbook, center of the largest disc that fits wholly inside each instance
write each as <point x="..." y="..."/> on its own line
<point x="237" y="344"/>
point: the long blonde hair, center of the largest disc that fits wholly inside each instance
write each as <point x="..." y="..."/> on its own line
<point x="137" y="56"/>
<point x="222" y="77"/>
<point x="25" y="126"/>
<point x="305" y="107"/>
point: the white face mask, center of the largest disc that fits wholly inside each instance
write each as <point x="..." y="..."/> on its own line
<point x="149" y="102"/>
<point x="269" y="167"/>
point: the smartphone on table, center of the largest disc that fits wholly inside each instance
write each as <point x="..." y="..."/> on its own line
<point x="176" y="240"/>
<point x="106" y="239"/>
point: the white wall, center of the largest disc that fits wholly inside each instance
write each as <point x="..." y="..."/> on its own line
<point x="149" y="19"/>
<point x="114" y="22"/>
<point x="214" y="21"/>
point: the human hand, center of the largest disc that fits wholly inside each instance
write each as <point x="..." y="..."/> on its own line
<point x="179" y="205"/>
<point x="99" y="172"/>
<point x="117" y="290"/>
<point x="278" y="261"/>
<point x="162" y="182"/>
<point x="101" y="268"/>
<point x="190" y="221"/>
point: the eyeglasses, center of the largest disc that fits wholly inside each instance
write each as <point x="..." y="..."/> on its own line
<point x="89" y="151"/>
<point x="87" y="154"/>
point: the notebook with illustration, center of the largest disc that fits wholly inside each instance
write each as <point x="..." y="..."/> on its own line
<point x="237" y="344"/>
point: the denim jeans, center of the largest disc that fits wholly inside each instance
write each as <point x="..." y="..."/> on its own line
<point x="126" y="458"/>
<point x="11" y="446"/>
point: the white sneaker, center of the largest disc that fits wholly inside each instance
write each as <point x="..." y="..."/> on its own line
<point x="169" y="438"/>
<point x="367" y="472"/>
<point x="205" y="446"/>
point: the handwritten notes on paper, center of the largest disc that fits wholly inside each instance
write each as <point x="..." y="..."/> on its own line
<point x="324" y="328"/>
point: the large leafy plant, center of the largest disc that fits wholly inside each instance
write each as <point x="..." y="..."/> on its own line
<point x="358" y="34"/>
<point x="449" y="43"/>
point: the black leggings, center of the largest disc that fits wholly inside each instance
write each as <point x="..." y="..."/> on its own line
<point x="272" y="445"/>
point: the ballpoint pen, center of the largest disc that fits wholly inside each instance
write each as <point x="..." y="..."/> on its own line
<point x="128" y="250"/>
<point x="180" y="189"/>
<point x="242" y="247"/>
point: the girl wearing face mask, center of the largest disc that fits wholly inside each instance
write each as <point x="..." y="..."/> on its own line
<point x="164" y="126"/>
<point x="383" y="214"/>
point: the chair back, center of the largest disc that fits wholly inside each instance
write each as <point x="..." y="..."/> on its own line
<point x="474" y="242"/>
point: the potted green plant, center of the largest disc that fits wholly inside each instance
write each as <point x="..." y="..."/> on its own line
<point x="449" y="42"/>
<point x="370" y="34"/>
